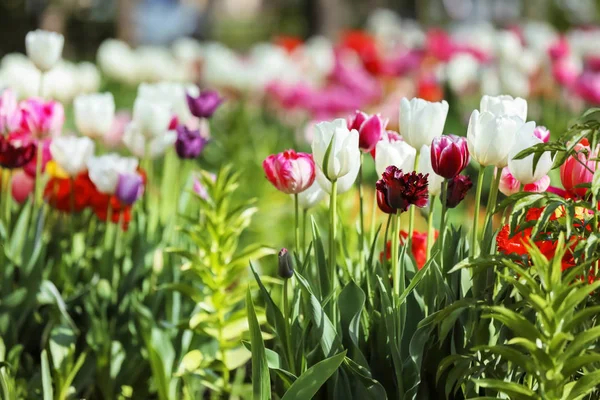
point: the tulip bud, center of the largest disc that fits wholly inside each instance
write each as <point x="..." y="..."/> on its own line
<point x="370" y="129"/>
<point x="189" y="143"/>
<point x="449" y="155"/>
<point x="286" y="265"/>
<point x="457" y="190"/>
<point x="130" y="187"/>
<point x="44" y="48"/>
<point x="579" y="169"/>
<point x="205" y="104"/>
<point x="421" y="121"/>
<point x="290" y="172"/>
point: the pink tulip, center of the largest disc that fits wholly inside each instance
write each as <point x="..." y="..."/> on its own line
<point x="542" y="133"/>
<point x="565" y="71"/>
<point x="290" y="172"/>
<point x="30" y="167"/>
<point x="578" y="169"/>
<point x="370" y="129"/>
<point x="587" y="87"/>
<point x="22" y="186"/>
<point x="449" y="155"/>
<point x="42" y="119"/>
<point x="510" y="185"/>
<point x="559" y="49"/>
<point x="10" y="117"/>
<point x="114" y="136"/>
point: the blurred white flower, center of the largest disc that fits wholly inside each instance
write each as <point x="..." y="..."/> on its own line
<point x="94" y="114"/>
<point x="117" y="61"/>
<point x="172" y="94"/>
<point x="143" y="146"/>
<point x="44" y="48"/>
<point x="104" y="170"/>
<point x="88" y="77"/>
<point x="461" y="71"/>
<point x="72" y="153"/>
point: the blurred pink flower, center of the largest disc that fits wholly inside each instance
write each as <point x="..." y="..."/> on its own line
<point x="587" y="87"/>
<point x="22" y="186"/>
<point x="290" y="172"/>
<point x="115" y="134"/>
<point x="510" y="185"/>
<point x="542" y="133"/>
<point x="565" y="71"/>
<point x="30" y="167"/>
<point x="10" y="117"/>
<point x="559" y="49"/>
<point x="42" y="118"/>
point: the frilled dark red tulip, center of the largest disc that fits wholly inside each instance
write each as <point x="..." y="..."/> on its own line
<point x="16" y="150"/>
<point x="457" y="190"/>
<point x="401" y="190"/>
<point x="205" y="104"/>
<point x="383" y="205"/>
<point x="449" y="155"/>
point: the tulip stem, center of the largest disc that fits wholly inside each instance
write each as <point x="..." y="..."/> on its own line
<point x="476" y="216"/>
<point x="430" y="227"/>
<point x="299" y="250"/>
<point x="395" y="247"/>
<point x="303" y="236"/>
<point x="492" y="200"/>
<point x="443" y="200"/>
<point x="6" y="197"/>
<point x="373" y="218"/>
<point x="361" y="237"/>
<point x="38" y="173"/>
<point x="411" y="211"/>
<point x="287" y="326"/>
<point x="332" y="237"/>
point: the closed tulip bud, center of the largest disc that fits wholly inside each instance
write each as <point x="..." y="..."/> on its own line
<point x="94" y="114"/>
<point x="104" y="171"/>
<point x="44" y="48"/>
<point x="72" y="153"/>
<point x="205" y="104"/>
<point x="491" y="137"/>
<point x="286" y="265"/>
<point x="189" y="143"/>
<point x="22" y="186"/>
<point x="421" y="121"/>
<point x="130" y="187"/>
<point x="370" y="129"/>
<point x="343" y="158"/>
<point x="449" y="155"/>
<point x="579" y="169"/>
<point x="523" y="169"/>
<point x="509" y="185"/>
<point x="457" y="190"/>
<point x="504" y="105"/>
<point x="290" y="172"/>
<point x="399" y="190"/>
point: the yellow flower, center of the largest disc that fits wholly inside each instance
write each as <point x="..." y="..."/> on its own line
<point x="55" y="170"/>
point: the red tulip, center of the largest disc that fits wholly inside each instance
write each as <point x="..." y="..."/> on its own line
<point x="399" y="190"/>
<point x="16" y="150"/>
<point x="418" y="247"/>
<point x="449" y="155"/>
<point x="290" y="172"/>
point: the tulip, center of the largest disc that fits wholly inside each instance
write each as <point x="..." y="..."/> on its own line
<point x="10" y="117"/>
<point x="16" y="150"/>
<point x="389" y="137"/>
<point x="579" y="169"/>
<point x="491" y="137"/>
<point x="104" y="171"/>
<point x="31" y="166"/>
<point x="504" y="105"/>
<point x="130" y="187"/>
<point x="401" y="190"/>
<point x="94" y="114"/>
<point x="136" y="140"/>
<point x="88" y="77"/>
<point x="172" y="95"/>
<point x="42" y="119"/>
<point x="22" y="186"/>
<point x="285" y="268"/>
<point x="152" y="117"/>
<point x="311" y="196"/>
<point x="510" y="185"/>
<point x="205" y="104"/>
<point x="290" y="172"/>
<point x="449" y="155"/>
<point x="425" y="167"/>
<point x="44" y="48"/>
<point x="398" y="153"/>
<point x="523" y="169"/>
<point x="114" y="136"/>
<point x="189" y="143"/>
<point x="542" y="133"/>
<point x="457" y="190"/>
<point x="370" y="129"/>
<point x="382" y="204"/>
<point x="72" y="153"/>
<point x="343" y="162"/>
<point x="421" y="121"/>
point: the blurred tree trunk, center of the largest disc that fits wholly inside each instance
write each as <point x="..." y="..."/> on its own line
<point x="325" y="17"/>
<point x="125" y="28"/>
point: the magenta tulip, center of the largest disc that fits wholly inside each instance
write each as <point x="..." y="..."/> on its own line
<point x="449" y="155"/>
<point x="542" y="133"/>
<point x="371" y="129"/>
<point x="290" y="172"/>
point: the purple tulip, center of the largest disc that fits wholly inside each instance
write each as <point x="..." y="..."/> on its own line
<point x="130" y="187"/>
<point x="449" y="155"/>
<point x="205" y="104"/>
<point x="189" y="143"/>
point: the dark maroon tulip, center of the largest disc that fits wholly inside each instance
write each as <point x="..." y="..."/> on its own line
<point x="449" y="155"/>
<point x="383" y="205"/>
<point x="189" y="143"/>
<point x="286" y="265"/>
<point x="402" y="190"/>
<point x="16" y="150"/>
<point x="457" y="190"/>
<point x="205" y="104"/>
<point x="370" y="129"/>
<point x="130" y="187"/>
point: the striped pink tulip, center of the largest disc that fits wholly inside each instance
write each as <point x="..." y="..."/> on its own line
<point x="290" y="172"/>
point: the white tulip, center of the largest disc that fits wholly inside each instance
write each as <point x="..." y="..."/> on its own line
<point x="137" y="142"/>
<point x="509" y="47"/>
<point x="434" y="180"/>
<point x="491" y="137"/>
<point x="311" y="196"/>
<point x="172" y="94"/>
<point x="504" y="105"/>
<point x="104" y="170"/>
<point x="522" y="169"/>
<point x="88" y="77"/>
<point x="398" y="153"/>
<point x="117" y="61"/>
<point x="44" y="48"/>
<point x="19" y="73"/>
<point x="94" y="113"/>
<point x="343" y="162"/>
<point x="421" y="121"/>
<point x="461" y="71"/>
<point x="152" y="117"/>
<point x="72" y="153"/>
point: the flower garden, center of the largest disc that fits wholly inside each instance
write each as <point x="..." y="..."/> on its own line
<point x="377" y="217"/>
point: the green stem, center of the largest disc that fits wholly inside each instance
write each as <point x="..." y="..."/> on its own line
<point x="332" y="238"/>
<point x="476" y="216"/>
<point x="38" y="174"/>
<point x="395" y="248"/>
<point x="492" y="200"/>
<point x="373" y="218"/>
<point x="299" y="250"/>
<point x="443" y="219"/>
<point x="430" y="235"/>
<point x="361" y="236"/>
<point x="411" y="211"/>
<point x="287" y="327"/>
<point x="303" y="236"/>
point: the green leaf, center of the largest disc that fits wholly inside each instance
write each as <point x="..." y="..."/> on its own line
<point x="48" y="392"/>
<point x="512" y="389"/>
<point x="584" y="385"/>
<point x="351" y="302"/>
<point x="261" y="380"/>
<point x="309" y="383"/>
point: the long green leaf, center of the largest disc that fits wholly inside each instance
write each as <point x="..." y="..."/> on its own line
<point x="261" y="380"/>
<point x="309" y="383"/>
